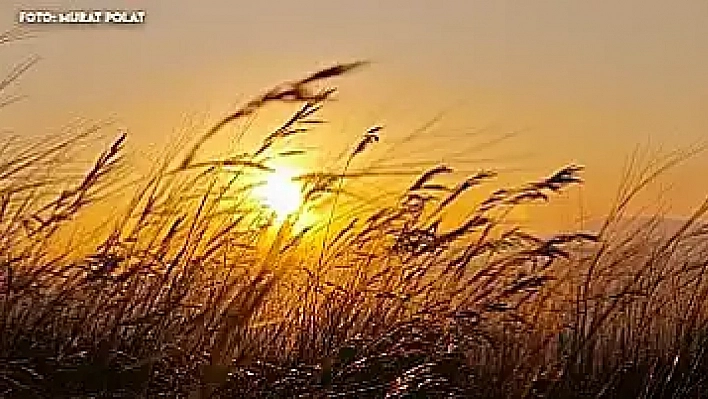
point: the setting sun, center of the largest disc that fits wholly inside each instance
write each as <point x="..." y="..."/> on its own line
<point x="280" y="193"/>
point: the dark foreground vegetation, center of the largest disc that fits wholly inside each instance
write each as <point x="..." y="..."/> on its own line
<point x="195" y="292"/>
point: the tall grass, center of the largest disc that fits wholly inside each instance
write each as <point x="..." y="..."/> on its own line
<point x="198" y="291"/>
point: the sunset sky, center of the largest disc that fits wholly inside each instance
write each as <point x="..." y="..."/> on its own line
<point x="580" y="81"/>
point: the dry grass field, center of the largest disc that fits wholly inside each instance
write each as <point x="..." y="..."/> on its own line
<point x="200" y="290"/>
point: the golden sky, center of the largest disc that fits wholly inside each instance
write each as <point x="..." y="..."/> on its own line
<point x="581" y="81"/>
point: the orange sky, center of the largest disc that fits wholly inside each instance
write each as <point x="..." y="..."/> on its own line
<point x="581" y="81"/>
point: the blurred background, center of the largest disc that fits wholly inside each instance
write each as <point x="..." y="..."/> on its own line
<point x="522" y="87"/>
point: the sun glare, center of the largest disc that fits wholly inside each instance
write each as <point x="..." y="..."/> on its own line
<point x="280" y="193"/>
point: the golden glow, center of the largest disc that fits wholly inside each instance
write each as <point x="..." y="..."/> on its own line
<point x="280" y="193"/>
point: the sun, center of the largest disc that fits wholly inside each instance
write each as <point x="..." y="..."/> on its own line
<point x="280" y="193"/>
